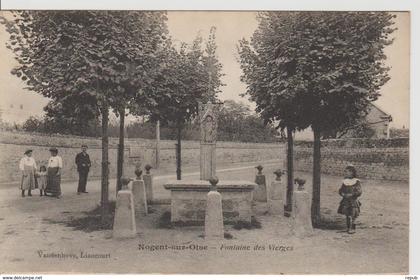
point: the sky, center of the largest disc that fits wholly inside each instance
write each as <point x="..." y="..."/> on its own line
<point x="230" y="28"/>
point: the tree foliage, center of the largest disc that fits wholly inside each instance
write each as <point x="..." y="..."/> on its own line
<point x="319" y="69"/>
<point x="105" y="55"/>
<point x="190" y="74"/>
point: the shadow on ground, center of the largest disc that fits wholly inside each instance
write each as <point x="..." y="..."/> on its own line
<point x="89" y="221"/>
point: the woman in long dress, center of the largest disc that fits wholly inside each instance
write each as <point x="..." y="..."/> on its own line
<point x="27" y="166"/>
<point x="55" y="164"/>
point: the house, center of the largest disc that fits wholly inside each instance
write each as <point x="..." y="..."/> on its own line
<point x="377" y="120"/>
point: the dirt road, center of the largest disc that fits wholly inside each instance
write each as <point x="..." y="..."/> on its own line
<point x="30" y="243"/>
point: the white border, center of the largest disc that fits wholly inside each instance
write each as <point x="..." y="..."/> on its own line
<point x="375" y="5"/>
<point x="210" y="4"/>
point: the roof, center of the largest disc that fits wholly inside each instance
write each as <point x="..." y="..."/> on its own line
<point x="380" y="110"/>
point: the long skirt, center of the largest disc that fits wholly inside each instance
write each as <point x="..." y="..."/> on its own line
<point x="53" y="182"/>
<point x="28" y="179"/>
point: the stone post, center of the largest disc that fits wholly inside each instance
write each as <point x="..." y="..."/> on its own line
<point x="148" y="183"/>
<point x="276" y="195"/>
<point x="139" y="194"/>
<point x="260" y="193"/>
<point x="208" y="131"/>
<point x="301" y="213"/>
<point x="124" y="219"/>
<point x="213" y="224"/>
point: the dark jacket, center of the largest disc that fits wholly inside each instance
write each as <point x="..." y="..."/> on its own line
<point x="350" y="190"/>
<point x="83" y="162"/>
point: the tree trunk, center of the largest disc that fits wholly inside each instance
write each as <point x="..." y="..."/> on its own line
<point x="316" y="182"/>
<point x="120" y="158"/>
<point x="290" y="183"/>
<point x="178" y="152"/>
<point x="157" y="144"/>
<point x="105" y="164"/>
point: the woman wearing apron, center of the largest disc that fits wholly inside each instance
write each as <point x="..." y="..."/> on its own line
<point x="55" y="164"/>
<point x="27" y="166"/>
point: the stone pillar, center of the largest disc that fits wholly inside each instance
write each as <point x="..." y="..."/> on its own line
<point x="148" y="184"/>
<point x="260" y="193"/>
<point x="124" y="219"/>
<point x="208" y="131"/>
<point x="139" y="194"/>
<point x="276" y="195"/>
<point x="213" y="224"/>
<point x="301" y="213"/>
<point x="207" y="161"/>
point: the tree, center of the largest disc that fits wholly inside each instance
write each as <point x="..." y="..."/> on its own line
<point x="271" y="83"/>
<point x="329" y="64"/>
<point x="33" y="124"/>
<point x="189" y="75"/>
<point x="84" y="53"/>
<point x="237" y="123"/>
<point x="66" y="116"/>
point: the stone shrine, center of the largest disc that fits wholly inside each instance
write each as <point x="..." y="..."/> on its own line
<point x="189" y="197"/>
<point x="208" y="130"/>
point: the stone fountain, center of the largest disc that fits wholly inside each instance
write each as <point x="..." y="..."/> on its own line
<point x="188" y="197"/>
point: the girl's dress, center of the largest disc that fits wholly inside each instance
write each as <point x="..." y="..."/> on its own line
<point x="42" y="180"/>
<point x="350" y="206"/>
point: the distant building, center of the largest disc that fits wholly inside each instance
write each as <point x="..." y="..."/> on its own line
<point x="17" y="107"/>
<point x="377" y="120"/>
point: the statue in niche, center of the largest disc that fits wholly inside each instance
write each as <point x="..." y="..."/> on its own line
<point x="208" y="124"/>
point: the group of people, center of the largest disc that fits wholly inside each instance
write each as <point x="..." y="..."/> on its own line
<point x="48" y="178"/>
<point x="48" y="181"/>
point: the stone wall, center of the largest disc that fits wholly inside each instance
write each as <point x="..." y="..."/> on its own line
<point x="13" y="145"/>
<point x="383" y="159"/>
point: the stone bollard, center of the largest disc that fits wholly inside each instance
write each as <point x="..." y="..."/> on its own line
<point x="301" y="214"/>
<point x="213" y="224"/>
<point x="139" y="194"/>
<point x="260" y="193"/>
<point x="148" y="183"/>
<point x="276" y="195"/>
<point x="124" y="219"/>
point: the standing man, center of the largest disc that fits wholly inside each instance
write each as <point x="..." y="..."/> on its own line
<point x="83" y="165"/>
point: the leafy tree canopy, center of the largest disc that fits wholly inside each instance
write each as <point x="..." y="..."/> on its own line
<point x="190" y="74"/>
<point x="107" y="55"/>
<point x="318" y="69"/>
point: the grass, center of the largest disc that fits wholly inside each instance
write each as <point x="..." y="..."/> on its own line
<point x="247" y="225"/>
<point x="90" y="221"/>
<point x="165" y="222"/>
<point x="227" y="235"/>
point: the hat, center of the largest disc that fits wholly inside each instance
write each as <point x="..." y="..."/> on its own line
<point x="53" y="150"/>
<point x="28" y="151"/>
<point x="84" y="146"/>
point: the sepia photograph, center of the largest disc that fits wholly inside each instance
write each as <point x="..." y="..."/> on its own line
<point x="204" y="142"/>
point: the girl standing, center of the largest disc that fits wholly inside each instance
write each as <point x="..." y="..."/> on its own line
<point x="42" y="179"/>
<point x="55" y="164"/>
<point x="350" y="190"/>
<point x="27" y="166"/>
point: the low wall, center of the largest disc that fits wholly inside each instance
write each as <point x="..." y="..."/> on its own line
<point x="13" y="145"/>
<point x="383" y="159"/>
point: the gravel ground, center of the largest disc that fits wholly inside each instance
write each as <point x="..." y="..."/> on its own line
<point x="379" y="246"/>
